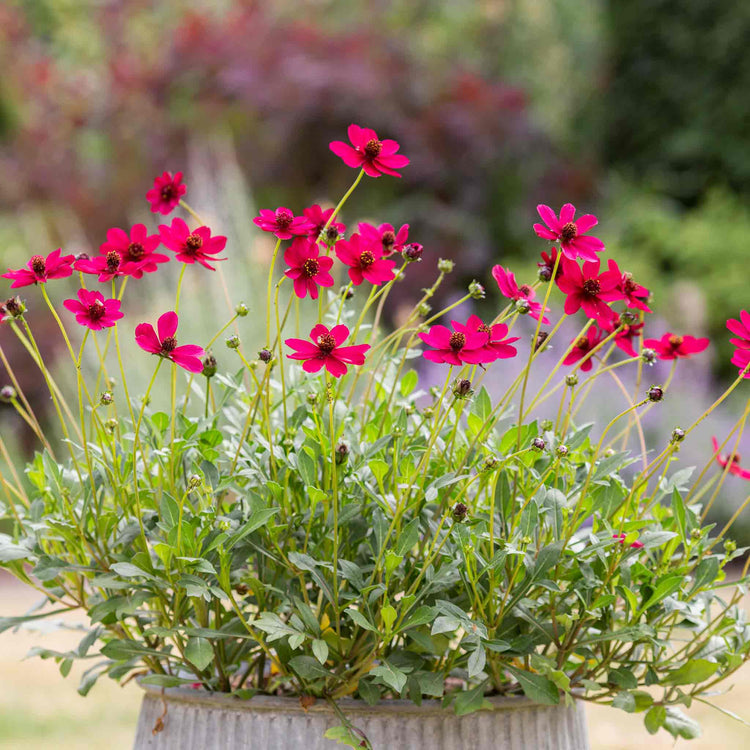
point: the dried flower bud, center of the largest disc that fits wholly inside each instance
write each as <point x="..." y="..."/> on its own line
<point x="241" y="310"/>
<point x="462" y="388"/>
<point x="655" y="393"/>
<point x="489" y="463"/>
<point x="106" y="399"/>
<point x="412" y="252"/>
<point x="678" y="435"/>
<point x="562" y="451"/>
<point x="7" y="394"/>
<point x="476" y="290"/>
<point x="233" y="342"/>
<point x="424" y="310"/>
<point x="648" y="356"/>
<point x="445" y="265"/>
<point x="110" y="425"/>
<point x="265" y="355"/>
<point x="730" y="546"/>
<point x="459" y="512"/>
<point x="540" y="339"/>
<point x="342" y="453"/>
<point x="13" y="307"/>
<point x="346" y="292"/>
<point x="544" y="273"/>
<point x="523" y="306"/>
<point x="209" y="366"/>
<point x="538" y="444"/>
<point x="571" y="380"/>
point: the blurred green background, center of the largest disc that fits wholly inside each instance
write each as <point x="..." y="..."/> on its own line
<point x="636" y="111"/>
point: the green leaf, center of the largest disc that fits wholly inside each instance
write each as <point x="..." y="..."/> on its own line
<point x="536" y="686"/>
<point x="422" y="616"/>
<point x="469" y="701"/>
<point x="257" y="519"/>
<point x="705" y="572"/>
<point x="307" y="466"/>
<point x="444" y="624"/>
<point x="664" y="588"/>
<point x="166" y="680"/>
<point x="11" y="551"/>
<point x="389" y="614"/>
<point x="655" y="718"/>
<point x="408" y="537"/>
<point x="361" y="620"/>
<point x="678" y="508"/>
<point x="691" y="673"/>
<point x="199" y="652"/>
<point x="128" y="570"/>
<point x="160" y="421"/>
<point x="320" y="649"/>
<point x="390" y="675"/>
<point x="477" y="660"/>
<point x="379" y="469"/>
<point x="679" y="725"/>
<point x="482" y="404"/>
<point x="409" y="382"/>
<point x="624" y="701"/>
<point x="344" y="736"/>
<point x="308" y="668"/>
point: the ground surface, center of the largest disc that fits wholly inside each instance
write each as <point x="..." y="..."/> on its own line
<point x="41" y="710"/>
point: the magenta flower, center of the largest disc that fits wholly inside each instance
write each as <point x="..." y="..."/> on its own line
<point x="733" y="461"/>
<point x="197" y="246"/>
<point x="741" y="329"/>
<point x="456" y="347"/>
<point x="307" y="268"/>
<point x="496" y="344"/>
<point x="574" y="243"/>
<point x="318" y="218"/>
<point x="365" y="261"/>
<point x="625" y="337"/>
<point x="136" y="250"/>
<point x="670" y="346"/>
<point x="106" y="267"/>
<point x="282" y="222"/>
<point x="39" y="270"/>
<point x="583" y="346"/>
<point x="166" y="193"/>
<point x="385" y="235"/>
<point x="588" y="289"/>
<point x="621" y="538"/>
<point x="325" y="350"/>
<point x="547" y="265"/>
<point x="376" y="157"/>
<point x="188" y="356"/>
<point x="93" y="311"/>
<point x="635" y="294"/>
<point x="506" y="282"/>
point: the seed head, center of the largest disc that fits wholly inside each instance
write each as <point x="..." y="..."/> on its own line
<point x="655" y="393"/>
<point x="476" y="290"/>
<point x="233" y="342"/>
<point x="7" y="394"/>
<point x="445" y="265"/>
<point x="459" y="512"/>
<point x="241" y="310"/>
<point x="209" y="366"/>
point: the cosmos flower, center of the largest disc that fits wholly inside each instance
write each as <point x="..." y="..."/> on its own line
<point x="733" y="461"/>
<point x="670" y="346"/>
<point x="589" y="290"/>
<point x="318" y="218"/>
<point x="324" y="350"/>
<point x="93" y="311"/>
<point x="456" y="347"/>
<point x="307" y="268"/>
<point x="574" y="243"/>
<point x="164" y="344"/>
<point x="392" y="241"/>
<point x="165" y="195"/>
<point x="367" y="151"/>
<point x="39" y="270"/>
<point x="583" y="345"/>
<point x="636" y="295"/>
<point x="196" y="246"/>
<point x="282" y="222"/>
<point x="136" y="250"/>
<point x="496" y="344"/>
<point x="365" y="261"/>
<point x="506" y="282"/>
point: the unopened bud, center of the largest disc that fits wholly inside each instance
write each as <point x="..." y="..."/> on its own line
<point x="489" y="463"/>
<point x="540" y="339"/>
<point x="265" y="355"/>
<point x="523" y="306"/>
<point x="412" y="252"/>
<point x="106" y="399"/>
<point x="655" y="393"/>
<point x="648" y="356"/>
<point x="241" y="310"/>
<point x="7" y="394"/>
<point x="331" y="235"/>
<point x="110" y="425"/>
<point x="195" y="481"/>
<point x="342" y="453"/>
<point x="233" y="342"/>
<point x="546" y="425"/>
<point x="241" y="588"/>
<point x="424" y="310"/>
<point x="445" y="265"/>
<point x="571" y="380"/>
<point x="312" y="398"/>
<point x="13" y="307"/>
<point x="609" y="452"/>
<point x="209" y="366"/>
<point x="476" y="290"/>
<point x="462" y="388"/>
<point x="544" y="273"/>
<point x="562" y="451"/>
<point x="696" y="534"/>
<point x="459" y="512"/>
<point x="538" y="444"/>
<point x="730" y="546"/>
<point x="346" y="292"/>
<point x="678" y="435"/>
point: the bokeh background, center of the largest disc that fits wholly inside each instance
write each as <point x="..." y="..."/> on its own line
<point x="636" y="111"/>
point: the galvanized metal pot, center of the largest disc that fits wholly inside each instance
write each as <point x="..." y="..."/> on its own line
<point x="197" y="720"/>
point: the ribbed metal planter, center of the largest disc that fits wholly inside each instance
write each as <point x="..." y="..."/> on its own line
<point x="196" y="720"/>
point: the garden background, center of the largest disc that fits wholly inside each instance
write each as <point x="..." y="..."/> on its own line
<point x="638" y="112"/>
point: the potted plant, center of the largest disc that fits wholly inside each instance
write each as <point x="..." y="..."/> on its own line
<point x="304" y="545"/>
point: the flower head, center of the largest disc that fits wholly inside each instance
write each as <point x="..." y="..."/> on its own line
<point x="574" y="243"/>
<point x="365" y="261"/>
<point x="93" y="311"/>
<point x="164" y="344"/>
<point x="136" y="250"/>
<point x="307" y="268"/>
<point x="457" y="347"/>
<point x="741" y="329"/>
<point x="318" y="218"/>
<point x="636" y="295"/>
<point x="197" y="246"/>
<point x="106" y="267"/>
<point x="733" y="461"/>
<point x="582" y="346"/>
<point x="671" y="346"/>
<point x="367" y="151"/>
<point x="282" y="222"/>
<point x="627" y="333"/>
<point x="588" y="289"/>
<point x="325" y="350"/>
<point x="621" y="538"/>
<point x="547" y="265"/>
<point x="392" y="241"/>
<point x="506" y="282"/>
<point x="496" y="345"/>
<point x="39" y="270"/>
<point x="12" y="308"/>
<point x="165" y="195"/>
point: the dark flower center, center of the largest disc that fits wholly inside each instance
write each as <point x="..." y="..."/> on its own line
<point x="96" y="310"/>
<point x="332" y="233"/>
<point x="366" y="259"/>
<point x="38" y="265"/>
<point x="569" y="231"/>
<point x="484" y="328"/>
<point x="284" y="219"/>
<point x="168" y="193"/>
<point x="525" y="289"/>
<point x="734" y="459"/>
<point x="592" y="287"/>
<point x="388" y="239"/>
<point x="582" y="343"/>
<point x="326" y="343"/>
<point x="311" y="267"/>
<point x="628" y="285"/>
<point x="675" y="341"/>
<point x="457" y="341"/>
<point x="136" y="251"/>
<point x="168" y="344"/>
<point x="194" y="242"/>
<point x="373" y="148"/>
<point x="113" y="261"/>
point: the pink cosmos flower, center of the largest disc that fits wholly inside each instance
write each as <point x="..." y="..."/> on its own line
<point x="574" y="243"/>
<point x="376" y="157"/>
<point x="741" y="329"/>
<point x="456" y="347"/>
<point x="547" y="265"/>
<point x="106" y="267"/>
<point x="318" y="218"/>
<point x="583" y="346"/>
<point x="325" y="350"/>
<point x="495" y="345"/>
<point x="282" y="222"/>
<point x="136" y="250"/>
<point x="588" y="289"/>
<point x="197" y="246"/>
<point x="166" y="193"/>
<point x="386" y="236"/>
<point x="621" y="538"/>
<point x="636" y="295"/>
<point x="365" y="261"/>
<point x="39" y="270"/>
<point x="93" y="311"/>
<point x="670" y="346"/>
<point x="188" y="356"/>
<point x="625" y="337"/>
<point x="741" y="360"/>
<point x="307" y="268"/>
<point x="733" y="461"/>
<point x="506" y="282"/>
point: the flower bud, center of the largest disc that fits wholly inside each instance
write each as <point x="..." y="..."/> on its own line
<point x="233" y="342"/>
<point x="523" y="306"/>
<point x="538" y="444"/>
<point x="331" y="236"/>
<point x="265" y="355"/>
<point x="462" y="388"/>
<point x="424" y="310"/>
<point x="562" y="451"/>
<point x="445" y="265"/>
<point x="209" y="366"/>
<point x="648" y="356"/>
<point x="110" y="425"/>
<point x="241" y="310"/>
<point x="111" y="384"/>
<point x="489" y="463"/>
<point x="106" y="399"/>
<point x="7" y="394"/>
<point x="434" y="391"/>
<point x="730" y="546"/>
<point x="571" y="380"/>
<point x="346" y="292"/>
<point x="312" y="398"/>
<point x="546" y="425"/>
<point x="628" y="318"/>
<point x="526" y="540"/>
<point x="696" y="534"/>
<point x="241" y="588"/>
<point x="409" y="409"/>
<point x="428" y="412"/>
<point x="459" y="512"/>
<point x="609" y="452"/>
<point x="540" y="339"/>
<point x="678" y="435"/>
<point x="342" y="453"/>
<point x="194" y="481"/>
<point x="655" y="393"/>
<point x="412" y="252"/>
<point x="476" y="290"/>
<point x="13" y="307"/>
<point x="544" y="273"/>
